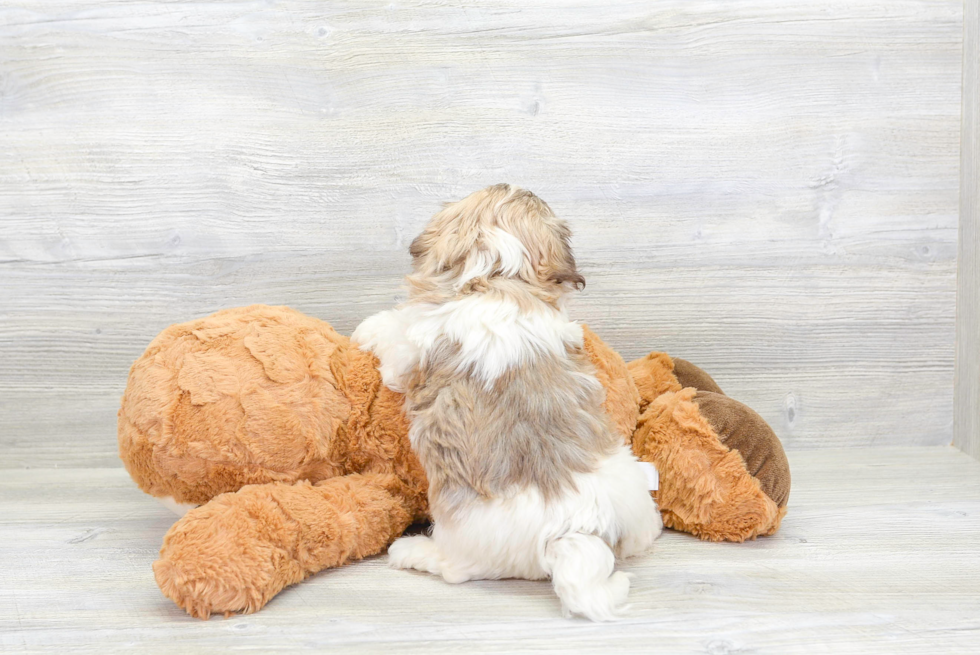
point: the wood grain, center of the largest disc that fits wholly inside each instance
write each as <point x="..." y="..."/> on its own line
<point x="876" y="555"/>
<point x="764" y="187"/>
<point x="966" y="423"/>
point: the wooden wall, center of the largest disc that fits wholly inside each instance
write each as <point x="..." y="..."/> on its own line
<point x="966" y="423"/>
<point x="767" y="188"/>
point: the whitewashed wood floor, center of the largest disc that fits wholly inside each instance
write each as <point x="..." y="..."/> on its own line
<point x="879" y="553"/>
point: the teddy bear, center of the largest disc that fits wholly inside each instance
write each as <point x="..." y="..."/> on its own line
<point x="297" y="458"/>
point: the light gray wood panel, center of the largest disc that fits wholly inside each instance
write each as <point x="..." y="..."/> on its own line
<point x="966" y="427"/>
<point x="807" y="345"/>
<point x="766" y="188"/>
<point x="876" y="555"/>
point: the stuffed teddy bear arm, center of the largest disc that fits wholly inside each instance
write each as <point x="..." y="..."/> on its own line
<point x="236" y="552"/>
<point x="284" y="434"/>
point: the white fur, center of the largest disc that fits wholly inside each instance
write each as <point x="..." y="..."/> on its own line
<point x="177" y="508"/>
<point x="570" y="540"/>
<point x="386" y="335"/>
<point x="503" y="253"/>
<point x="493" y="335"/>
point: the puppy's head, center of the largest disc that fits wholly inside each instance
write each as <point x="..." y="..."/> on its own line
<point x="500" y="232"/>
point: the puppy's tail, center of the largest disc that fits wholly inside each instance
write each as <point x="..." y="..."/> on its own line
<point x="581" y="567"/>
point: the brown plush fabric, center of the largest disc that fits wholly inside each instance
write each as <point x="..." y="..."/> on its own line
<point x="740" y="428"/>
<point x="704" y="487"/>
<point x="708" y="459"/>
<point x="377" y="432"/>
<point x="244" y="396"/>
<point x="653" y="376"/>
<point x="689" y="375"/>
<point x="280" y="409"/>
<point x="236" y="552"/>
<point x="744" y="431"/>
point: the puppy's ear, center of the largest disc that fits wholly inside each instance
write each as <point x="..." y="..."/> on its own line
<point x="573" y="277"/>
<point x="450" y="238"/>
<point x="416" y="249"/>
<point x="562" y="262"/>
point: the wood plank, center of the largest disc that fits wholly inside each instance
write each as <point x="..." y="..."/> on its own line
<point x="876" y="555"/>
<point x="966" y="423"/>
<point x="767" y="188"/>
<point x="812" y="396"/>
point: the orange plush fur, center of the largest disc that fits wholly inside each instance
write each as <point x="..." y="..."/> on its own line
<point x="704" y="486"/>
<point x="280" y="429"/>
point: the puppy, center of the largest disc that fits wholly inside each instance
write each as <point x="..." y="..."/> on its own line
<point x="527" y="477"/>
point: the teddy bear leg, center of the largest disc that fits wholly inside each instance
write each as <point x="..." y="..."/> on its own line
<point x="705" y="488"/>
<point x="741" y="429"/>
<point x="234" y="553"/>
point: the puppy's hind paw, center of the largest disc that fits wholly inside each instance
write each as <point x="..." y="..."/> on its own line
<point x="416" y="552"/>
<point x="637" y="543"/>
<point x="618" y="585"/>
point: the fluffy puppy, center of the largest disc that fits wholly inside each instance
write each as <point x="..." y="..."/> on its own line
<point x="527" y="478"/>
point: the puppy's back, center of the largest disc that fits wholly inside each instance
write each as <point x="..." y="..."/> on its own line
<point x="536" y="425"/>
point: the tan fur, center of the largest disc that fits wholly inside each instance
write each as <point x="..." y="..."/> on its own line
<point x="454" y="237"/>
<point x="653" y="375"/>
<point x="541" y="420"/>
<point x="536" y="426"/>
<point x="744" y="431"/>
<point x="349" y="488"/>
<point x="245" y="396"/>
<point x="240" y="549"/>
<point x="735" y="425"/>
